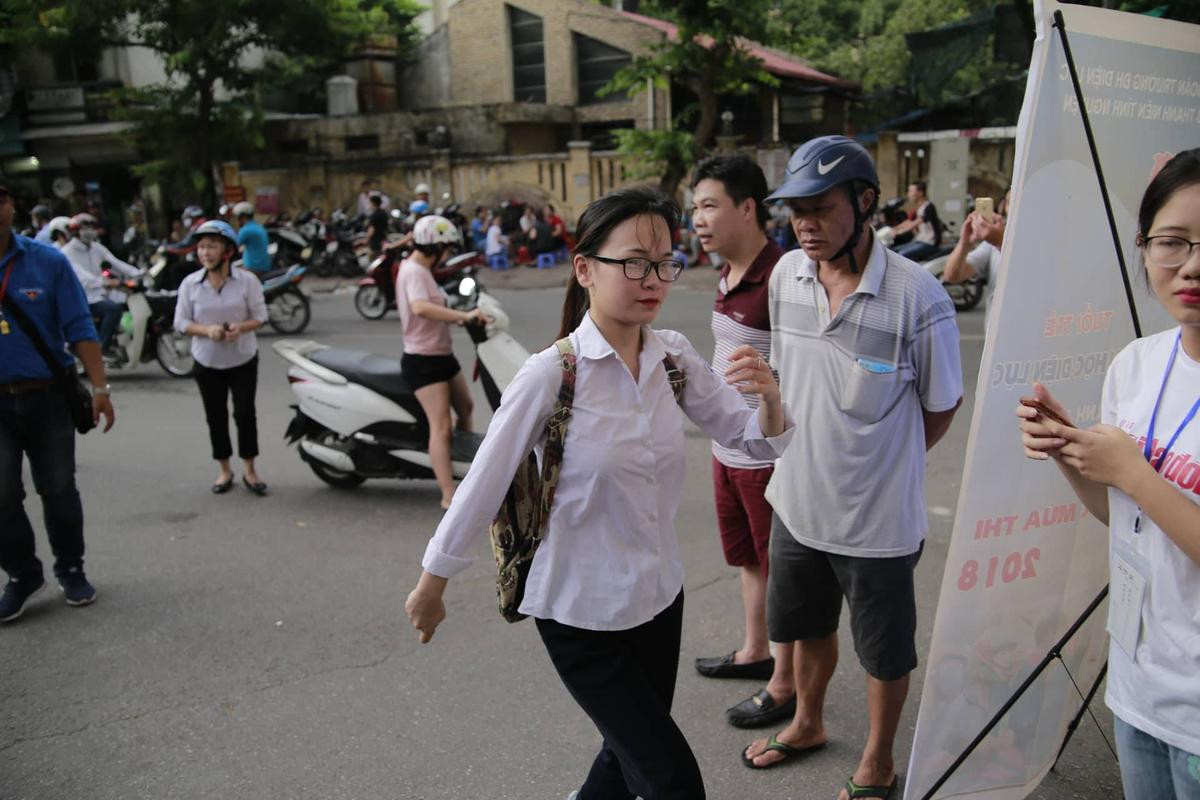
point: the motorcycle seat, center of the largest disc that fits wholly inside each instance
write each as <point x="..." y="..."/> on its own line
<point x="269" y="274"/>
<point x="376" y="373"/>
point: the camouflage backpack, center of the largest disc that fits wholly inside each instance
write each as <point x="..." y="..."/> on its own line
<point x="520" y="524"/>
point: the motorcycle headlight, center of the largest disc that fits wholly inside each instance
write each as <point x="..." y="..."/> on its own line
<point x="306" y="252"/>
<point x="466" y="287"/>
<point x="273" y="248"/>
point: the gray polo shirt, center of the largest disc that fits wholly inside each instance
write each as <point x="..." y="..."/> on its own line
<point x="852" y="480"/>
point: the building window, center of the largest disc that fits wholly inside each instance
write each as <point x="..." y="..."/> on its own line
<point x="367" y="141"/>
<point x="595" y="65"/>
<point x="529" y="56"/>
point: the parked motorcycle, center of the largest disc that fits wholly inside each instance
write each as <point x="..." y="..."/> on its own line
<point x="147" y="331"/>
<point x="358" y="419"/>
<point x="376" y="293"/>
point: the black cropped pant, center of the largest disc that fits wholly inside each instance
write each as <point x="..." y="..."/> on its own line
<point x="215" y="387"/>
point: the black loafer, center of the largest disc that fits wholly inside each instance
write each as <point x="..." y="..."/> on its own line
<point x="258" y="488"/>
<point x="724" y="667"/>
<point x="759" y="710"/>
<point x="222" y="488"/>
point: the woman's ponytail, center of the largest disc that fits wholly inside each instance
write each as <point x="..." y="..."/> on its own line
<point x="575" y="305"/>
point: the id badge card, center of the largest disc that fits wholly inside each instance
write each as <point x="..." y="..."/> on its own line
<point x="1126" y="595"/>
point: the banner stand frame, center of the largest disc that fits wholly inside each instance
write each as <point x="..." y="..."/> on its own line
<point x="1056" y="650"/>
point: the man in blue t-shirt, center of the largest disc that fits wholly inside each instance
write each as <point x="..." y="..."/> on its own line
<point x="252" y="238"/>
<point x="39" y="288"/>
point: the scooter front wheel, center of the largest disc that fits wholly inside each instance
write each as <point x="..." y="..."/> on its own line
<point x="173" y="351"/>
<point x="370" y="302"/>
<point x="289" y="312"/>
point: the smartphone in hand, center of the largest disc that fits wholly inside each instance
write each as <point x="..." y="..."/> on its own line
<point x="985" y="207"/>
<point x="1044" y="410"/>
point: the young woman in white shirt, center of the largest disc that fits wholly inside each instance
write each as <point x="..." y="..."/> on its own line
<point x="1140" y="473"/>
<point x="606" y="585"/>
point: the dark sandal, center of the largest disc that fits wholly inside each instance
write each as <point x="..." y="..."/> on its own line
<point x="259" y="488"/>
<point x="788" y="751"/>
<point x="725" y="667"/>
<point x="759" y="710"/>
<point x="222" y="488"/>
<point x="856" y="792"/>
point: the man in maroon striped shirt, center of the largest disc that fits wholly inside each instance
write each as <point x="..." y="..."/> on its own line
<point x="730" y="219"/>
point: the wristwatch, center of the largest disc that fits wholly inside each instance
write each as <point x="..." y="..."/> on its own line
<point x="104" y="390"/>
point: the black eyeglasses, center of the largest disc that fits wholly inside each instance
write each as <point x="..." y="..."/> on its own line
<point x="637" y="269"/>
<point x="1168" y="252"/>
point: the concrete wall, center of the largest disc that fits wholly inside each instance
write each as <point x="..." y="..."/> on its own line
<point x="425" y="82"/>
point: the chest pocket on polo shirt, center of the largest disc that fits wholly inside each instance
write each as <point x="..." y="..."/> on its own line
<point x="872" y="388"/>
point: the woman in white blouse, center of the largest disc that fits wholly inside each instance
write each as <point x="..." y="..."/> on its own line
<point x="1139" y="473"/>
<point x="220" y="307"/>
<point x="606" y="585"/>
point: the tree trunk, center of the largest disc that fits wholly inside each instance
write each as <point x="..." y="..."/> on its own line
<point x="204" y="109"/>
<point x="706" y="126"/>
<point x="675" y="172"/>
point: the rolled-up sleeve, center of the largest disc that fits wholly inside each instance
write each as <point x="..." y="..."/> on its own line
<point x="721" y="412"/>
<point x="256" y="303"/>
<point x="183" y="307"/>
<point x="511" y="436"/>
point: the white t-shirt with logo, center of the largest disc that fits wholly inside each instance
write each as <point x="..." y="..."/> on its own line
<point x="1158" y="692"/>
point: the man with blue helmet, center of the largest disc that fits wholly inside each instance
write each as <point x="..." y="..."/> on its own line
<point x="866" y="346"/>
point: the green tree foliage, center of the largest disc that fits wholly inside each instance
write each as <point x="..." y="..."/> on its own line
<point x="864" y="41"/>
<point x="709" y="58"/>
<point x="208" y="109"/>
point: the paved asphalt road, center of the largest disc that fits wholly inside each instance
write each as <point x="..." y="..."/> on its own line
<point x="257" y="648"/>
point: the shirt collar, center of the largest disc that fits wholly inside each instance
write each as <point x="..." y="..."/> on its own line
<point x="16" y="244"/>
<point x="873" y="272"/>
<point x="767" y="257"/>
<point x="593" y="345"/>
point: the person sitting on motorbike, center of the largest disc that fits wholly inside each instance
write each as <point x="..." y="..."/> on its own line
<point x="90" y="259"/>
<point x="924" y="224"/>
<point x="252" y="238"/>
<point x="59" y="231"/>
<point x="428" y="362"/>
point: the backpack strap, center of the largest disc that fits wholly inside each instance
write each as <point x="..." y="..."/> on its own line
<point x="556" y="431"/>
<point x="676" y="377"/>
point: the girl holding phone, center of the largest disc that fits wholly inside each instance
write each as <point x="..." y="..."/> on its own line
<point x="1140" y="473"/>
<point x="606" y="585"/>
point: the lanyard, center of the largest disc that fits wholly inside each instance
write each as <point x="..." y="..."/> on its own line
<point x="1148" y="450"/>
<point x="7" y="274"/>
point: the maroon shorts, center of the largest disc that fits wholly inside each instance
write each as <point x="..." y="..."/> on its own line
<point x="743" y="514"/>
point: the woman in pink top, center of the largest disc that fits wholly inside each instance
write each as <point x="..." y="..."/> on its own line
<point x="428" y="363"/>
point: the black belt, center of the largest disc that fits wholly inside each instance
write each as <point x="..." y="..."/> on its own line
<point x="20" y="387"/>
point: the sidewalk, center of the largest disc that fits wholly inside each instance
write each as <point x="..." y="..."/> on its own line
<point x="703" y="278"/>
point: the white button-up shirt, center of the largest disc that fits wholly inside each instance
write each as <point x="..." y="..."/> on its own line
<point x="610" y="559"/>
<point x="240" y="298"/>
<point x="89" y="261"/>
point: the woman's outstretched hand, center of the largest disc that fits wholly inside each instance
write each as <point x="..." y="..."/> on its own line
<point x="750" y="373"/>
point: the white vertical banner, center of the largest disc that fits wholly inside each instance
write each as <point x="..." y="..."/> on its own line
<point x="1025" y="558"/>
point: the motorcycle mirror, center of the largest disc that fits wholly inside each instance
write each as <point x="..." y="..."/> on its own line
<point x="466" y="287"/>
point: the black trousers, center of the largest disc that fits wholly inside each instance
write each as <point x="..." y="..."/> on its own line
<point x="625" y="681"/>
<point x="215" y="387"/>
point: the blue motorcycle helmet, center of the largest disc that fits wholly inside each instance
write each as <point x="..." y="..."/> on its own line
<point x="217" y="227"/>
<point x="418" y="207"/>
<point x="823" y="163"/>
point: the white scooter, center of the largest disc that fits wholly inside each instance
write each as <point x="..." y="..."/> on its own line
<point x="358" y="419"/>
<point x="147" y="329"/>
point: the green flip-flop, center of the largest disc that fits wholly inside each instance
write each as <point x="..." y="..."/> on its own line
<point x="788" y="751"/>
<point x="856" y="792"/>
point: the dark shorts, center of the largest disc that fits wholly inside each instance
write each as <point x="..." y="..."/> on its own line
<point x="743" y="514"/>
<point x="420" y="371"/>
<point x="804" y="601"/>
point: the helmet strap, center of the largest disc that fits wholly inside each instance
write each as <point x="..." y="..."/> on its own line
<point x="859" y="220"/>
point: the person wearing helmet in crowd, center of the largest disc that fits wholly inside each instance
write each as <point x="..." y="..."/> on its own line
<point x="90" y="259"/>
<point x="420" y="201"/>
<point x="866" y="346"/>
<point x="377" y="224"/>
<point x="221" y="306"/>
<point x="59" y="231"/>
<point x="252" y="238"/>
<point x="428" y="363"/>
<point x="39" y="217"/>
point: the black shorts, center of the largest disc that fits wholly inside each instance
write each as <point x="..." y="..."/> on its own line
<point x="420" y="371"/>
<point x="804" y="601"/>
